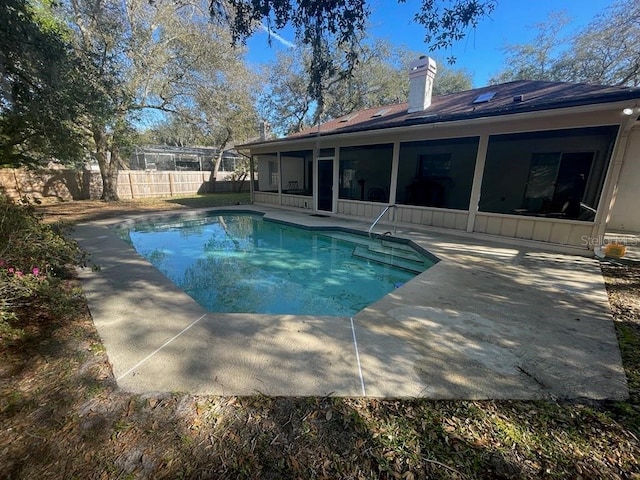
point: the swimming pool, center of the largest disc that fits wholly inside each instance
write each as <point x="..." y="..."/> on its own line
<point x="241" y="263"/>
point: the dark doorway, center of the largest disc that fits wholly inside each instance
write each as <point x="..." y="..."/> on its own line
<point x="325" y="184"/>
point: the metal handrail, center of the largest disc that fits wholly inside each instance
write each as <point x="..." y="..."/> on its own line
<point x="395" y="219"/>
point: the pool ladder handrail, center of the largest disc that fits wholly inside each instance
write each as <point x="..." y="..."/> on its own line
<point x="395" y="219"/>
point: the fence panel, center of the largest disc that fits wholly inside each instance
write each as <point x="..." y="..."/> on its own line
<point x="143" y="184"/>
<point x="68" y="185"/>
<point x="188" y="182"/>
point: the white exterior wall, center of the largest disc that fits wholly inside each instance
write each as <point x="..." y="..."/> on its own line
<point x="357" y="208"/>
<point x="264" y="176"/>
<point x="297" y="201"/>
<point x="625" y="216"/>
<point x="266" y="197"/>
<point x="292" y="171"/>
<point x="558" y="231"/>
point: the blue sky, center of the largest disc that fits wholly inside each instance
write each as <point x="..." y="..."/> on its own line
<point x="480" y="52"/>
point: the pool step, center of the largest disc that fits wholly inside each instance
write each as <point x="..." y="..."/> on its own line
<point x="398" y="246"/>
<point x="393" y="257"/>
<point x="373" y="242"/>
<point x="397" y="250"/>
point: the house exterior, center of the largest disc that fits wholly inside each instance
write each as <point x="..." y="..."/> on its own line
<point x="530" y="160"/>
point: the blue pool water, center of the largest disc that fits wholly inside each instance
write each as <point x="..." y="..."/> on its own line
<point x="240" y="263"/>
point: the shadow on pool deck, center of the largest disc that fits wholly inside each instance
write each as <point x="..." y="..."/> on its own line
<point x="490" y="320"/>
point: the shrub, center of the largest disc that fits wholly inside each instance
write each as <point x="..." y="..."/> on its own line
<point x="34" y="257"/>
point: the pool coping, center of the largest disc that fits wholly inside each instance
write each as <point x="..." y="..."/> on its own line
<point x="489" y="320"/>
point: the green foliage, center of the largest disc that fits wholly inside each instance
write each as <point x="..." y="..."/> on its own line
<point x="448" y="22"/>
<point x="379" y="78"/>
<point x="163" y="57"/>
<point x="285" y="102"/>
<point x="43" y="14"/>
<point x="175" y="132"/>
<point x="44" y="89"/>
<point x="316" y="24"/>
<point x="324" y="26"/>
<point x="34" y="258"/>
<point x="25" y="242"/>
<point x="451" y="80"/>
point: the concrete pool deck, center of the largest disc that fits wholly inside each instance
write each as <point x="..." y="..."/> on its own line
<point x="490" y="320"/>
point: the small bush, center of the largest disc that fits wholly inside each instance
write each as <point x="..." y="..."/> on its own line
<point x="34" y="257"/>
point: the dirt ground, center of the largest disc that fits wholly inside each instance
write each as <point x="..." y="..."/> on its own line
<point x="74" y="212"/>
<point x="63" y="416"/>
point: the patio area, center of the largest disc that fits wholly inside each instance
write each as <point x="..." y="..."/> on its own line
<point x="490" y="320"/>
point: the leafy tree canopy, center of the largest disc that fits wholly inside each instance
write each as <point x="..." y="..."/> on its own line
<point x="319" y="24"/>
<point x="43" y="88"/>
<point x="380" y="78"/>
<point x="161" y="56"/>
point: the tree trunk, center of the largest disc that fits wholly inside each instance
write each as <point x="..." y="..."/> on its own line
<point x="108" y="163"/>
<point x="241" y="180"/>
<point x="110" y="193"/>
<point x="217" y="160"/>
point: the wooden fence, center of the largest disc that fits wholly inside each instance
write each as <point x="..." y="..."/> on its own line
<point x="144" y="184"/>
<point x="71" y="185"/>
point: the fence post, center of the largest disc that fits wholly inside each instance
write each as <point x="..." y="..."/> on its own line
<point x="131" y="185"/>
<point x="171" y="184"/>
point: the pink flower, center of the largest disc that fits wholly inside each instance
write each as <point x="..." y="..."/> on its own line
<point x="35" y="271"/>
<point x="11" y="270"/>
<point x="19" y="274"/>
<point x="2" y="263"/>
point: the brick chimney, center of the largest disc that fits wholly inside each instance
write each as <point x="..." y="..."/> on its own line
<point x="421" y="75"/>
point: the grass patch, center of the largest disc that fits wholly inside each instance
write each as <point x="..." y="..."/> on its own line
<point x="63" y="416"/>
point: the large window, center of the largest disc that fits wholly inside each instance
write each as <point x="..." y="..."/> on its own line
<point x="297" y="172"/>
<point x="365" y="172"/>
<point x="437" y="173"/>
<point x="556" y="174"/>
<point x="268" y="172"/>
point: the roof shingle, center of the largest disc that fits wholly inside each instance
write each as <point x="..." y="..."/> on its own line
<point x="513" y="97"/>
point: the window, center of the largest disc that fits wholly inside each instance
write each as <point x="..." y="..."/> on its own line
<point x="556" y="173"/>
<point x="273" y="173"/>
<point x="267" y="166"/>
<point x="297" y="172"/>
<point x="437" y="173"/>
<point x="557" y="183"/>
<point x="381" y="112"/>
<point x="365" y="172"/>
<point x="484" y="97"/>
<point x="542" y="175"/>
<point x="348" y="118"/>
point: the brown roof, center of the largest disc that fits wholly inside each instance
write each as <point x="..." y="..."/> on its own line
<point x="513" y="97"/>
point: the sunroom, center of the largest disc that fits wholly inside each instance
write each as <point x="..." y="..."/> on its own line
<point x="528" y="160"/>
